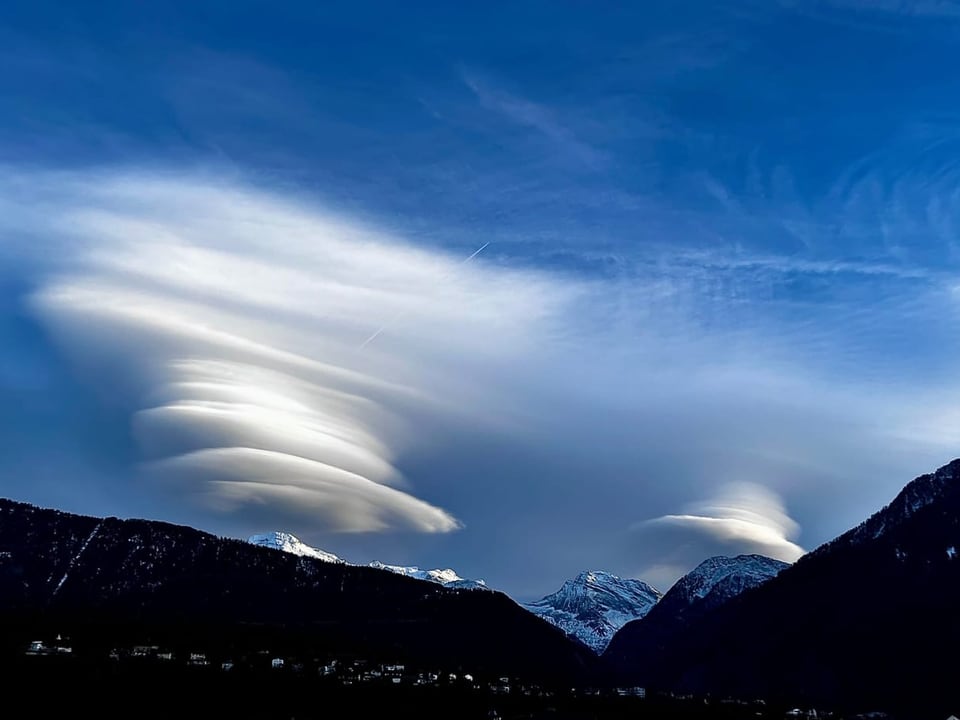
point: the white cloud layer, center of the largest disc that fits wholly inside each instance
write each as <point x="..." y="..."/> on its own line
<point x="744" y="514"/>
<point x="241" y="321"/>
<point x="216" y="336"/>
<point x="741" y="518"/>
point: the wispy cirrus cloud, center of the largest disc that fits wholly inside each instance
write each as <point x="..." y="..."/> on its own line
<point x="933" y="9"/>
<point x="535" y="116"/>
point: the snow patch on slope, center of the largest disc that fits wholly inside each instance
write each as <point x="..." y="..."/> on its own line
<point x="288" y="543"/>
<point x="447" y="577"/>
<point x="75" y="558"/>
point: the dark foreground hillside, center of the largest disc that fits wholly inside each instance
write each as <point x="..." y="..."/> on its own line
<point x="869" y="621"/>
<point x="135" y="688"/>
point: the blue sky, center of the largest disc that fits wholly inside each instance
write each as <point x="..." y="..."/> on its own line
<point x="717" y="312"/>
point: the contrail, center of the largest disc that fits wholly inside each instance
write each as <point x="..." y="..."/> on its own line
<point x="371" y="338"/>
<point x="475" y="253"/>
<point x="397" y="316"/>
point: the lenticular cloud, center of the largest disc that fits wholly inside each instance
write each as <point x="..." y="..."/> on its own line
<point x="744" y="517"/>
<point x="242" y="321"/>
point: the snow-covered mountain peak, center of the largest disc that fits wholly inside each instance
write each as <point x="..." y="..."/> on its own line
<point x="599" y="579"/>
<point x="446" y="577"/>
<point x="593" y="605"/>
<point x="288" y="543"/>
<point x="724" y="577"/>
<point x="592" y="577"/>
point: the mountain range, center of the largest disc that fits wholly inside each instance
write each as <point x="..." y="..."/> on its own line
<point x="591" y="607"/>
<point x="289" y="543"/>
<point x="868" y="620"/>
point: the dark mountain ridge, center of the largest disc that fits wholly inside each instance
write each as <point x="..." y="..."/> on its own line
<point x="103" y="579"/>
<point x="713" y="583"/>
